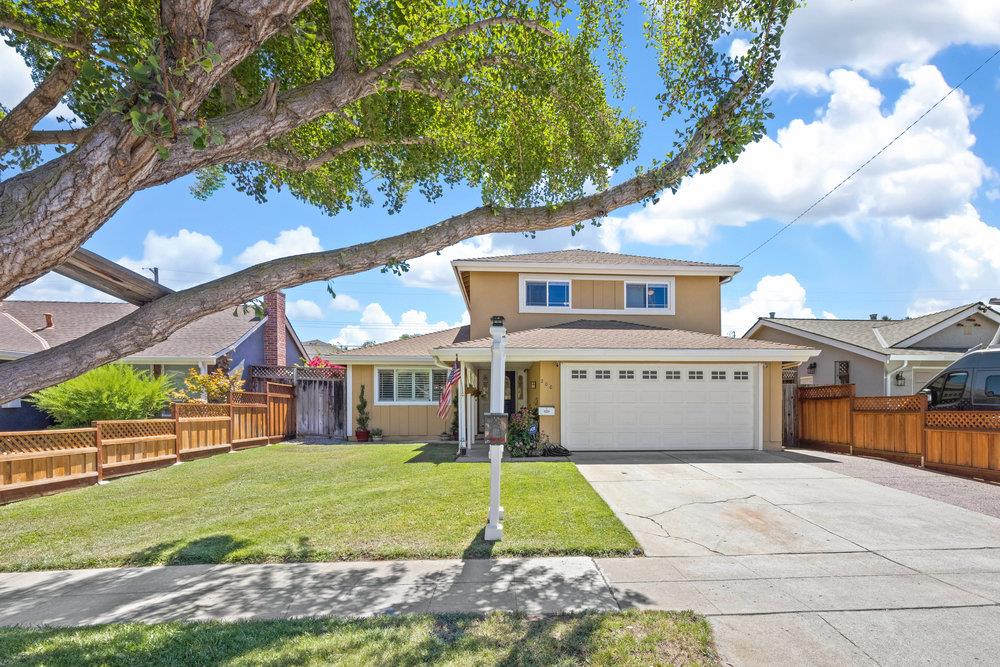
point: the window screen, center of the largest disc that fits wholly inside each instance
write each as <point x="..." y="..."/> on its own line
<point x="535" y="294"/>
<point x="645" y="295"/>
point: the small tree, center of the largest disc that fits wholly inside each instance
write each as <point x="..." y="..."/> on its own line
<point x="116" y="391"/>
<point x="363" y="417"/>
<point x="214" y="386"/>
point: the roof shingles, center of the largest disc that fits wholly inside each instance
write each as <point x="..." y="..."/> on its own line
<point x="580" y="256"/>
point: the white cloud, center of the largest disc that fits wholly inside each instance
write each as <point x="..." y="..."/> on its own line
<point x="304" y="309"/>
<point x="377" y="325"/>
<point x="872" y="36"/>
<point x="962" y="248"/>
<point x="433" y="271"/>
<point x="926" y="305"/>
<point x="53" y="287"/>
<point x="16" y="83"/>
<point x="184" y="259"/>
<point x="930" y="173"/>
<point x="289" y="242"/>
<point x="783" y="295"/>
<point x="345" y="302"/>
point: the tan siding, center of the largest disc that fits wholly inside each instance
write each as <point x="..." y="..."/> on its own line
<point x="583" y="293"/>
<point x="548" y="394"/>
<point x="409" y="421"/>
<point x="771" y="403"/>
<point x="698" y="304"/>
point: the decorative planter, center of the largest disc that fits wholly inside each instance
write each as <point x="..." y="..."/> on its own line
<point x="376" y="438"/>
<point x="361" y="435"/>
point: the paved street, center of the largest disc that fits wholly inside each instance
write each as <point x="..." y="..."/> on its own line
<point x="793" y="563"/>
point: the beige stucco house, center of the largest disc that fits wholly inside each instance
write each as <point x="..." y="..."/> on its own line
<point x="882" y="356"/>
<point x="615" y="351"/>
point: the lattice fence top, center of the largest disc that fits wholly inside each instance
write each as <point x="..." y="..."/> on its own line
<point x="966" y="419"/>
<point x="914" y="403"/>
<point x="827" y="391"/>
<point x="202" y="409"/>
<point x="300" y="372"/>
<point x="248" y="398"/>
<point x="136" y="429"/>
<point x="34" y="441"/>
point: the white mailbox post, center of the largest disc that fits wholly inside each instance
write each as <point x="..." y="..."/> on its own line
<point x="496" y="426"/>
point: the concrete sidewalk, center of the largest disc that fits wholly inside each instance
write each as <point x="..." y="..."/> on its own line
<point x="927" y="606"/>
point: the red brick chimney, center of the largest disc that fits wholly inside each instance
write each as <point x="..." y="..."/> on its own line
<point x="275" y="330"/>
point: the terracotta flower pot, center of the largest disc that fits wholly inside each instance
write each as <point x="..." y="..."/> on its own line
<point x="361" y="435"/>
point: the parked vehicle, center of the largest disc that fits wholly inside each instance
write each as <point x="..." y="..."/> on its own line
<point x="971" y="383"/>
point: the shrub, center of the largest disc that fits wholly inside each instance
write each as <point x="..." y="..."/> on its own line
<point x="522" y="433"/>
<point x="214" y="386"/>
<point x="363" y="417"/>
<point x="116" y="391"/>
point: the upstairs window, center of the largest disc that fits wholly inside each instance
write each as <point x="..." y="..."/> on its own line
<point x="646" y="295"/>
<point x="547" y="293"/>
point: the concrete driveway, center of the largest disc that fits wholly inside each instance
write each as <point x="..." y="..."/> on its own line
<point x="797" y="563"/>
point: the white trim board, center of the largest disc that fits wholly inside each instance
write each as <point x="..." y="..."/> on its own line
<point x="717" y="355"/>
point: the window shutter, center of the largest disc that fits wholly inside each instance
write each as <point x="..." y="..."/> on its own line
<point x="438" y="380"/>
<point x="404" y="385"/>
<point x="386" y="385"/>
<point x="422" y="385"/>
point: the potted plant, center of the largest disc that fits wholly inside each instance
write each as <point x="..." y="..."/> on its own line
<point x="361" y="431"/>
<point x="376" y="434"/>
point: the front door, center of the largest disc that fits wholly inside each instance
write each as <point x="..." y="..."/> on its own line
<point x="508" y="392"/>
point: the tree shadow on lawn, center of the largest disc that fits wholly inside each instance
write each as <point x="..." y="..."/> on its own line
<point x="204" y="550"/>
<point x="434" y="452"/>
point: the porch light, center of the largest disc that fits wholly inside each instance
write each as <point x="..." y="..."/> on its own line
<point x="900" y="380"/>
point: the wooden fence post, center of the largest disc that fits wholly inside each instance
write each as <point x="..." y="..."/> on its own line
<point x="99" y="457"/>
<point x="850" y="420"/>
<point x="267" y="410"/>
<point x="923" y="429"/>
<point x="177" y="433"/>
<point x="232" y="423"/>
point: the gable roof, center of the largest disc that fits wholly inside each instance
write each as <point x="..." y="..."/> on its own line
<point x="883" y="337"/>
<point x="619" y="335"/>
<point x="207" y="337"/>
<point x="581" y="256"/>
<point x="412" y="348"/>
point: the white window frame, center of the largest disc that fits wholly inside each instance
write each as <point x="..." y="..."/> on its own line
<point x="523" y="294"/>
<point x="524" y="278"/>
<point x="395" y="370"/>
<point x="668" y="283"/>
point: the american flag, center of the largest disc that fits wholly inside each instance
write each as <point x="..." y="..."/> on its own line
<point x="444" y="403"/>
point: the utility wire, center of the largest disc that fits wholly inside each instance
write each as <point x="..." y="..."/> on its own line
<point x="869" y="160"/>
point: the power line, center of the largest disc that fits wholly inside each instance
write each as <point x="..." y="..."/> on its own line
<point x="869" y="160"/>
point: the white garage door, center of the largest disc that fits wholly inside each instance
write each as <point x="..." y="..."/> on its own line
<point x="659" y="406"/>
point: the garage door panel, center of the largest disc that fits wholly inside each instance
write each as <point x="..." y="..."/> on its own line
<point x="666" y="408"/>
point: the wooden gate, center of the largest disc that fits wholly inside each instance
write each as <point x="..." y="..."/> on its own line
<point x="789" y="417"/>
<point x="320" y="408"/>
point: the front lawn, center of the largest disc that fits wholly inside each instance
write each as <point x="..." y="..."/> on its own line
<point x="619" y="639"/>
<point x="311" y="503"/>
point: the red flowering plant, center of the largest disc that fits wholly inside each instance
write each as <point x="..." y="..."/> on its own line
<point x="319" y="362"/>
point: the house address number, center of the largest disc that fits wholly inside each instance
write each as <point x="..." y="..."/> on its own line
<point x="546" y="411"/>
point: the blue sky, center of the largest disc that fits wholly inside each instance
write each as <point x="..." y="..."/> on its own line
<point x="915" y="232"/>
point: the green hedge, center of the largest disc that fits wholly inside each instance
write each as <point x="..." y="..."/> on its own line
<point x="116" y="391"/>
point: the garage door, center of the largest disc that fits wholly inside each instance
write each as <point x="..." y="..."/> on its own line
<point x="650" y="406"/>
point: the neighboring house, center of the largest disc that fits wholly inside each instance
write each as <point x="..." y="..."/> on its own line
<point x="616" y="351"/>
<point x="32" y="326"/>
<point x="320" y="348"/>
<point x="882" y="357"/>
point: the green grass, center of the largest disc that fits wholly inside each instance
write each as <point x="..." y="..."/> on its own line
<point x="311" y="503"/>
<point x="619" y="639"/>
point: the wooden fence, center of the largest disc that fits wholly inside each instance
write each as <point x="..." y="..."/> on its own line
<point x="37" y="462"/>
<point x="900" y="428"/>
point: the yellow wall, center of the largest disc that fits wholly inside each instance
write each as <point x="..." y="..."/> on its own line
<point x="545" y="375"/>
<point x="408" y="421"/>
<point x="698" y="304"/>
<point x="772" y="404"/>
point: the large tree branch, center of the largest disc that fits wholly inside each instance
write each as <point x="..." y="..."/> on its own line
<point x="185" y="21"/>
<point x="66" y="44"/>
<point x="157" y="320"/>
<point x="249" y="129"/>
<point x="18" y="123"/>
<point x="292" y="162"/>
<point x="48" y="137"/>
<point x="345" y="43"/>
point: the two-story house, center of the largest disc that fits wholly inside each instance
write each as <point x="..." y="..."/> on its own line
<point x="615" y="351"/>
